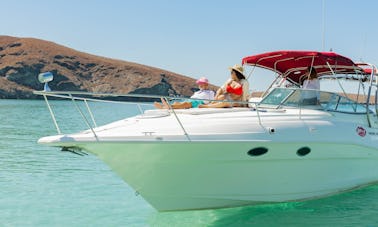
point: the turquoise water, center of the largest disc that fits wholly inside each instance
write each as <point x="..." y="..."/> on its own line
<point x="42" y="186"/>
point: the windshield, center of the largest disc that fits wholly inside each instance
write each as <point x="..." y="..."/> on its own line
<point x="295" y="97"/>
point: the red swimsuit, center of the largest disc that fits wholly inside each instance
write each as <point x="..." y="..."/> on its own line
<point x="236" y="91"/>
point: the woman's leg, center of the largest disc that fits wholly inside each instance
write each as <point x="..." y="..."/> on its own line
<point x="162" y="105"/>
<point x="218" y="94"/>
<point x="176" y="105"/>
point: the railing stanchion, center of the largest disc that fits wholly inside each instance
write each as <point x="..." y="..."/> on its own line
<point x="52" y="115"/>
<point x="178" y="120"/>
<point x="140" y="108"/>
<point x="90" y="112"/>
<point x="83" y="116"/>
<point x="258" y="114"/>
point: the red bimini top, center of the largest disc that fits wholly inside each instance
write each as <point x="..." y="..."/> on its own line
<point x="294" y="64"/>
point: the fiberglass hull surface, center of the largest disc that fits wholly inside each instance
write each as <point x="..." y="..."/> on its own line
<point x="199" y="175"/>
<point x="222" y="170"/>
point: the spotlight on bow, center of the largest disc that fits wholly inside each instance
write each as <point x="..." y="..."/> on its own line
<point x="45" y="77"/>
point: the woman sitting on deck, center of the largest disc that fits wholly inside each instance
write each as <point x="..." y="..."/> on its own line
<point x="235" y="89"/>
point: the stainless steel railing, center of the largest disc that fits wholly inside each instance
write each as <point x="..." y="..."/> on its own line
<point x="89" y="119"/>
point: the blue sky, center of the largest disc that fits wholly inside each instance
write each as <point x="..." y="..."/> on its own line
<point x="197" y="37"/>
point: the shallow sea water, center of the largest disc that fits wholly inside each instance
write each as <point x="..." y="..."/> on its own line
<point x="42" y="186"/>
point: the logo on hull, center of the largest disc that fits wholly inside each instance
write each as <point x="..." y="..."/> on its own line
<point x="361" y="131"/>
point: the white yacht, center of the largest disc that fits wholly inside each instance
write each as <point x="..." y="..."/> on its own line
<point x="277" y="150"/>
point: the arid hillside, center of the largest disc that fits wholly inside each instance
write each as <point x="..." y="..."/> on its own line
<point x="22" y="59"/>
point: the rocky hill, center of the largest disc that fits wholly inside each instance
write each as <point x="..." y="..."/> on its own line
<point x="22" y="59"/>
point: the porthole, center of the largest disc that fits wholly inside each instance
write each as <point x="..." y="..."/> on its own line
<point x="303" y="151"/>
<point x="257" y="151"/>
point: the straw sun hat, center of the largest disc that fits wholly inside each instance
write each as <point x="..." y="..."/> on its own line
<point x="238" y="68"/>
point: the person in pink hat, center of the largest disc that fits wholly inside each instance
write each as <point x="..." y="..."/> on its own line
<point x="203" y="96"/>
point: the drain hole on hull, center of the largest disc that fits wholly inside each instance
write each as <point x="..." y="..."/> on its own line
<point x="303" y="151"/>
<point x="257" y="151"/>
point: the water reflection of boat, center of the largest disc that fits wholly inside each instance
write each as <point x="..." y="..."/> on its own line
<point x="277" y="150"/>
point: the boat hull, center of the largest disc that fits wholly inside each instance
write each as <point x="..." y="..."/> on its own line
<point x="202" y="175"/>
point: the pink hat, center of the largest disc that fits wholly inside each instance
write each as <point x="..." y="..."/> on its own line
<point x="202" y="80"/>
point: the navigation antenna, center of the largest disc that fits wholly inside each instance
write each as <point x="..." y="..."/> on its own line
<point x="323" y="20"/>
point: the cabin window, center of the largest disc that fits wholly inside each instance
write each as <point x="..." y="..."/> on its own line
<point x="277" y="96"/>
<point x="257" y="151"/>
<point x="303" y="151"/>
<point x="339" y="103"/>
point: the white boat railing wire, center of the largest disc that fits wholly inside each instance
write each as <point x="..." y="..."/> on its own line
<point x="78" y="96"/>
